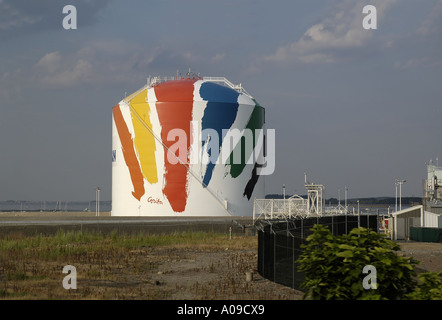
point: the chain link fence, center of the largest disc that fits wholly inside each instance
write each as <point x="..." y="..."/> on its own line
<point x="279" y="243"/>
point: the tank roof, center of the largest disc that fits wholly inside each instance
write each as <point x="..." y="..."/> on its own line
<point x="154" y="81"/>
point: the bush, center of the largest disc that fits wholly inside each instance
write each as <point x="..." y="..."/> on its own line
<point x="333" y="266"/>
<point x="428" y="288"/>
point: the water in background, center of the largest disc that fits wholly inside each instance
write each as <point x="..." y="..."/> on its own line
<point x="52" y="206"/>
<point x="106" y="206"/>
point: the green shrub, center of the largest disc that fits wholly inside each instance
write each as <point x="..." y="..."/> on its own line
<point x="333" y="266"/>
<point x="428" y="288"/>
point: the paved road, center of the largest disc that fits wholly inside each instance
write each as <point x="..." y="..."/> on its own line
<point x="48" y="223"/>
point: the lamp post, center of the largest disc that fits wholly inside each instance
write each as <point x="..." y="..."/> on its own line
<point x="400" y="193"/>
<point x="339" y="198"/>
<point x="283" y="190"/>
<point x="399" y="183"/>
<point x="359" y="216"/>
<point x="97" y="201"/>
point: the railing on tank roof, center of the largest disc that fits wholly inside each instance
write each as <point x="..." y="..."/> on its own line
<point x="227" y="83"/>
<point x="153" y="81"/>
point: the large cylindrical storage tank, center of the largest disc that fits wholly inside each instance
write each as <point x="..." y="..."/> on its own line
<point x="187" y="147"/>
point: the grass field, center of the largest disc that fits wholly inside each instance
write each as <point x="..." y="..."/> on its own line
<point x="175" y="266"/>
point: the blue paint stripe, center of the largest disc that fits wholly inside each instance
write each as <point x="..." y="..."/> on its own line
<point x="220" y="113"/>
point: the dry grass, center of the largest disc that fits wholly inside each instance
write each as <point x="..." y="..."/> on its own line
<point x="178" y="266"/>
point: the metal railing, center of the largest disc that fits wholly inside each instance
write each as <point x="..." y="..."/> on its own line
<point x="279" y="208"/>
<point x="153" y="81"/>
<point x="294" y="207"/>
<point x="227" y="83"/>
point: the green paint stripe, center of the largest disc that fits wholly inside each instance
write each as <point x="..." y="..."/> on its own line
<point x="255" y="122"/>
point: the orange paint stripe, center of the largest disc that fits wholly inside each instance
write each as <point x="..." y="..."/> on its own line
<point x="129" y="153"/>
<point x="174" y="107"/>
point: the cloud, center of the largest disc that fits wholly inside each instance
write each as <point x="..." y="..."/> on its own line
<point x="50" y="62"/>
<point x="432" y="23"/>
<point x="410" y="63"/>
<point x="218" y="57"/>
<point x="99" y="64"/>
<point x="324" y="42"/>
<point x="24" y="17"/>
<point x="51" y="72"/>
<point x="417" y="63"/>
<point x="166" y="61"/>
<point x="421" y="47"/>
<point x="11" y="17"/>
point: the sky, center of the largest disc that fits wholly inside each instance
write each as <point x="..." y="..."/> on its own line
<point x="351" y="107"/>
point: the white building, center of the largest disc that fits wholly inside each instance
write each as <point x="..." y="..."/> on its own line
<point x="401" y="221"/>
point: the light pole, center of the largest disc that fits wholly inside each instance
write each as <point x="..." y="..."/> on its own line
<point x="359" y="216"/>
<point x="97" y="201"/>
<point x="400" y="193"/>
<point x="283" y="190"/>
<point x="399" y="182"/>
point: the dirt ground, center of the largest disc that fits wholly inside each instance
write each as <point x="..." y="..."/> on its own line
<point x="196" y="274"/>
<point x="147" y="273"/>
<point x="217" y="274"/>
<point x="165" y="273"/>
<point x="429" y="255"/>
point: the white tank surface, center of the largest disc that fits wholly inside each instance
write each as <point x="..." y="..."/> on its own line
<point x="187" y="147"/>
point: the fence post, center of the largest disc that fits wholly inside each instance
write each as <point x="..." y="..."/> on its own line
<point x="274" y="256"/>
<point x="302" y="229"/>
<point x="290" y="208"/>
<point x="377" y="222"/>
<point x="254" y="209"/>
<point x="368" y="221"/>
<point x="293" y="262"/>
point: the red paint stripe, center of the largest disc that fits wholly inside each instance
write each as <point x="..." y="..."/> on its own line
<point x="174" y="106"/>
<point x="129" y="153"/>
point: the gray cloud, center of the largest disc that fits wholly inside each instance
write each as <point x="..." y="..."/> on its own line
<point x="338" y="36"/>
<point x="100" y="64"/>
<point x="22" y="17"/>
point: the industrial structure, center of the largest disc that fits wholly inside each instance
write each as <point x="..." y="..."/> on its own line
<point x="284" y="225"/>
<point x="422" y="222"/>
<point x="187" y="146"/>
<point x="432" y="200"/>
<point x="296" y="206"/>
<point x="396" y="225"/>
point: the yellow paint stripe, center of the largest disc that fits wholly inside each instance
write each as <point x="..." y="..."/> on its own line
<point x="144" y="140"/>
<point x="132" y="95"/>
